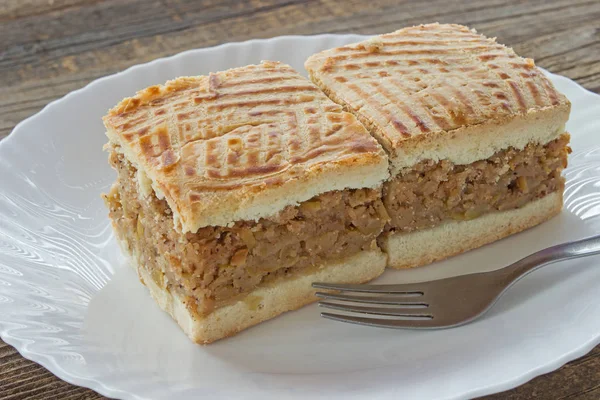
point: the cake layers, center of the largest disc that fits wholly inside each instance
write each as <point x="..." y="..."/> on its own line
<point x="470" y="129"/>
<point x="237" y="190"/>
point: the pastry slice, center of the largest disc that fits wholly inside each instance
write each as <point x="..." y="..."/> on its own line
<point x="475" y="135"/>
<point x="237" y="190"/>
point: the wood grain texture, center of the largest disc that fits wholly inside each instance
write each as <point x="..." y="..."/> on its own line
<point x="51" y="47"/>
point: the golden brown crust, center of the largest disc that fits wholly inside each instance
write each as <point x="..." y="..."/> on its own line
<point x="242" y="144"/>
<point x="418" y="83"/>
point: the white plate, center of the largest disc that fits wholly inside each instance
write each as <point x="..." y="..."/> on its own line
<point x="68" y="302"/>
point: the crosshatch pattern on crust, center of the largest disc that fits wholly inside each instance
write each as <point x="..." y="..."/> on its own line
<point x="430" y="78"/>
<point x="252" y="127"/>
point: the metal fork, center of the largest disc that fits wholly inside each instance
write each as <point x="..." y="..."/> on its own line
<point x="442" y="303"/>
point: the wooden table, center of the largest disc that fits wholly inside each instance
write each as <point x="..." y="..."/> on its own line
<point x="51" y="47"/>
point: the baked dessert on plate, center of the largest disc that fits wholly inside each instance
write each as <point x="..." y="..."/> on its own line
<point x="237" y="190"/>
<point x="475" y="135"/>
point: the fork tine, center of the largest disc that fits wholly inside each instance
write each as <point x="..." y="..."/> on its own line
<point x="421" y="323"/>
<point x="372" y="299"/>
<point x="408" y="289"/>
<point x="397" y="312"/>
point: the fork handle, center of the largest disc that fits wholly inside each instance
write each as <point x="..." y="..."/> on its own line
<point x="581" y="248"/>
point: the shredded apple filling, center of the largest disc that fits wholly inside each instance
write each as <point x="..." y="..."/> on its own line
<point x="430" y="193"/>
<point x="218" y="264"/>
